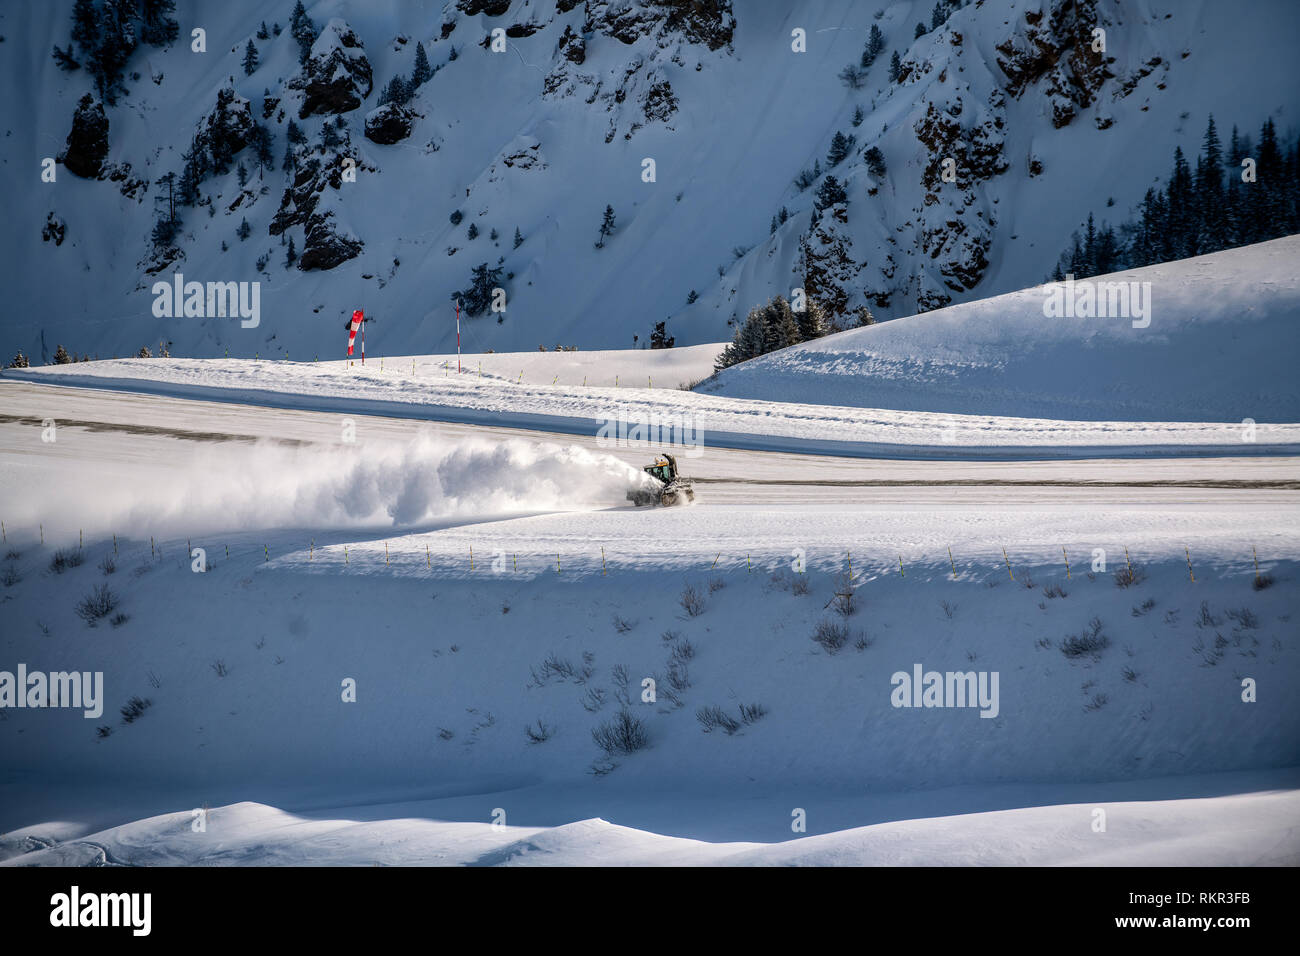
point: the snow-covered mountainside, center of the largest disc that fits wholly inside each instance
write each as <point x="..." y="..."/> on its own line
<point x="543" y="135"/>
<point x="1217" y="341"/>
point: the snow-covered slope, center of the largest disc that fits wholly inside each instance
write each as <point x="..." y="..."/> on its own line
<point x="1237" y="830"/>
<point x="1221" y="345"/>
<point x="541" y="137"/>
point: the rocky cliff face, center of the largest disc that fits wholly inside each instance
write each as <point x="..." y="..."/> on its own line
<point x="337" y="76"/>
<point x="529" y="140"/>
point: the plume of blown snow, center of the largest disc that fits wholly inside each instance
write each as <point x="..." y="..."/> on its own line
<point x="375" y="485"/>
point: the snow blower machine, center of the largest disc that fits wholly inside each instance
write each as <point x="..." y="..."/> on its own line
<point x="672" y="488"/>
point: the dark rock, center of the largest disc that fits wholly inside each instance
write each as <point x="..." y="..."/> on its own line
<point x="389" y="124"/>
<point x="660" y="103"/>
<point x="493" y="8"/>
<point x="55" y="228"/>
<point x="227" y="128"/>
<point x="314" y="173"/>
<point x="325" y="248"/>
<point x="337" y="75"/>
<point x="88" y="141"/>
<point x="572" y="46"/>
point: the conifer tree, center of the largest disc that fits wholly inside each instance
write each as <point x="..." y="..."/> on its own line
<point x="422" y="71"/>
<point x="302" y="30"/>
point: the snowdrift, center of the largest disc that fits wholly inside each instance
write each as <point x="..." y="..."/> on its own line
<point x="1221" y="344"/>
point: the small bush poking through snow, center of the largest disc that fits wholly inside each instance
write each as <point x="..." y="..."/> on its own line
<point x="63" y="560"/>
<point x="624" y="734"/>
<point x="10" y="576"/>
<point x="1204" y="618"/>
<point x="683" y="651"/>
<point x="99" y="604"/>
<point x="831" y="635"/>
<point x="103" y="730"/>
<point x="1054" y="591"/>
<point x="713" y="718"/>
<point x="844" y="598"/>
<point x="1089" y="642"/>
<point x="219" y="668"/>
<point x="1127" y="577"/>
<point x="539" y="733"/>
<point x="1262" y="582"/>
<point x="799" y="584"/>
<point x="692" y="601"/>
<point x="622" y="624"/>
<point x="716" y="585"/>
<point x="118" y="619"/>
<point x="108" y="566"/>
<point x="1244" y="617"/>
<point x="552" y="668"/>
<point x="134" y="707"/>
<point x="1145" y="606"/>
<point x="679" y="678"/>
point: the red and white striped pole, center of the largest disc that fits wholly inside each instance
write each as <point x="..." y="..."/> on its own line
<point x="363" y="341"/>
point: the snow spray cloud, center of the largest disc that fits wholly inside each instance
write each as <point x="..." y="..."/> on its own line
<point x="1102" y="300"/>
<point x="371" y="485"/>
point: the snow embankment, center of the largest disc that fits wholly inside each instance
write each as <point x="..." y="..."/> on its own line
<point x="429" y="388"/>
<point x="1216" y="340"/>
